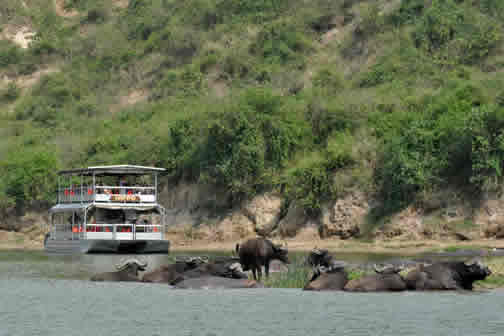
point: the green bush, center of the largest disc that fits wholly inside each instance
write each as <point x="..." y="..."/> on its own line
<point x="9" y="54"/>
<point x="455" y="34"/>
<point x="46" y="102"/>
<point x="10" y="94"/>
<point x="454" y="138"/>
<point x="28" y="175"/>
<point x="378" y="74"/>
<point x="259" y="10"/>
<point x="310" y="183"/>
<point x="329" y="79"/>
<point x="281" y="43"/>
<point x="409" y="11"/>
<point x="247" y="141"/>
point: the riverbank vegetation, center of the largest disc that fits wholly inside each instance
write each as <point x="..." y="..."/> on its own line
<point x="398" y="98"/>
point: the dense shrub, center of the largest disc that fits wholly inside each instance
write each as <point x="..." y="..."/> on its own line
<point x="9" y="54"/>
<point x="28" y="174"/>
<point x="310" y="183"/>
<point x="247" y="142"/>
<point x="455" y="137"/>
<point x="409" y="11"/>
<point x="455" y="34"/>
<point x="10" y="94"/>
<point x="259" y="10"/>
<point x="281" y="43"/>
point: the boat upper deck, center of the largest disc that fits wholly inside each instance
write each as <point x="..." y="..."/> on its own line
<point x="121" y="184"/>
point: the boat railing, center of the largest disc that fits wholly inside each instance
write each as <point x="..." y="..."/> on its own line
<point x="76" y="194"/>
<point x="124" y="231"/>
<point x="109" y="194"/>
<point x="108" y="231"/>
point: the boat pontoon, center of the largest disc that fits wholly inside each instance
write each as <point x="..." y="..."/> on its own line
<point x="108" y="209"/>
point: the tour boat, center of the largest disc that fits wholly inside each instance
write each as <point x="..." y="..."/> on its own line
<point x="110" y="209"/>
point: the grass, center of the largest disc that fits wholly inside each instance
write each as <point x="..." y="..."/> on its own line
<point x="298" y="276"/>
<point x="295" y="277"/>
<point x="496" y="279"/>
<point x="22" y="255"/>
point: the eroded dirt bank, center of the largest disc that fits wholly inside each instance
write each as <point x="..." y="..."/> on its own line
<point x="199" y="218"/>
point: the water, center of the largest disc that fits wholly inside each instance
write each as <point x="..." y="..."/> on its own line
<point x="51" y="296"/>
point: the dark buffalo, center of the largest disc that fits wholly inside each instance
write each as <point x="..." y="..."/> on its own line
<point x="328" y="278"/>
<point x="447" y="275"/>
<point x="319" y="257"/>
<point x="195" y="267"/>
<point x="126" y="271"/>
<point x="173" y="273"/>
<point x="213" y="282"/>
<point x="386" y="279"/>
<point x="230" y="269"/>
<point x="258" y="252"/>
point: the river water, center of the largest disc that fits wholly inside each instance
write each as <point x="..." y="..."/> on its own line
<point x="42" y="295"/>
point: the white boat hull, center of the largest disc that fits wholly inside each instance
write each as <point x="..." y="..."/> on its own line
<point x="54" y="246"/>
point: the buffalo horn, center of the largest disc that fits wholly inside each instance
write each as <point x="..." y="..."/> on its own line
<point x="123" y="264"/>
<point x="471" y="262"/>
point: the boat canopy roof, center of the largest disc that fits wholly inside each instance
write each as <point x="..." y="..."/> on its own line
<point x="68" y="207"/>
<point x="112" y="170"/>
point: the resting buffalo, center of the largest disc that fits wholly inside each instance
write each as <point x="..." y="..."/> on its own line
<point x="173" y="273"/>
<point x="258" y="252"/>
<point x="328" y="278"/>
<point x="224" y="269"/>
<point x="386" y="279"/>
<point x="126" y="271"/>
<point x="447" y="275"/>
<point x="213" y="282"/>
<point x="195" y="267"/>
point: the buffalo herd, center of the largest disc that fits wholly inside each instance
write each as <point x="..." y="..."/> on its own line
<point x="328" y="274"/>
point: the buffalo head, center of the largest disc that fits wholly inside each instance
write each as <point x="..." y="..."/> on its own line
<point x="280" y="253"/>
<point x="132" y="264"/>
<point x="475" y="270"/>
<point x="319" y="257"/>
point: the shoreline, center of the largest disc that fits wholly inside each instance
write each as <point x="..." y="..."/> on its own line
<point x="391" y="247"/>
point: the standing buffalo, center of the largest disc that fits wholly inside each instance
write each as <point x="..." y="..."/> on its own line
<point x="386" y="279"/>
<point x="126" y="271"/>
<point x="447" y="275"/>
<point x="258" y="252"/>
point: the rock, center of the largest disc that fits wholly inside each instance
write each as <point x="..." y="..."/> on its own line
<point x="264" y="211"/>
<point x="344" y="217"/>
<point x="461" y="236"/>
<point x="295" y="220"/>
<point x="500" y="233"/>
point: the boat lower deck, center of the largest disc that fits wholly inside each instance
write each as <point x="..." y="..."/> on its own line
<point x="79" y="246"/>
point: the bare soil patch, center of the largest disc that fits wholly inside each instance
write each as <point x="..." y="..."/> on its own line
<point x="133" y="97"/>
<point x="59" y="7"/>
<point x="20" y="35"/>
<point x="121" y="3"/>
<point x="30" y="80"/>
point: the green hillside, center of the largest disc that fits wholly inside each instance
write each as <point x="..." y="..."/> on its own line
<point x="309" y="98"/>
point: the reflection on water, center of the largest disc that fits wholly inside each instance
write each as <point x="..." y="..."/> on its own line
<point x="44" y="296"/>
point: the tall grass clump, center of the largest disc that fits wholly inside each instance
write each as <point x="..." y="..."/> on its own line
<point x="296" y="277"/>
